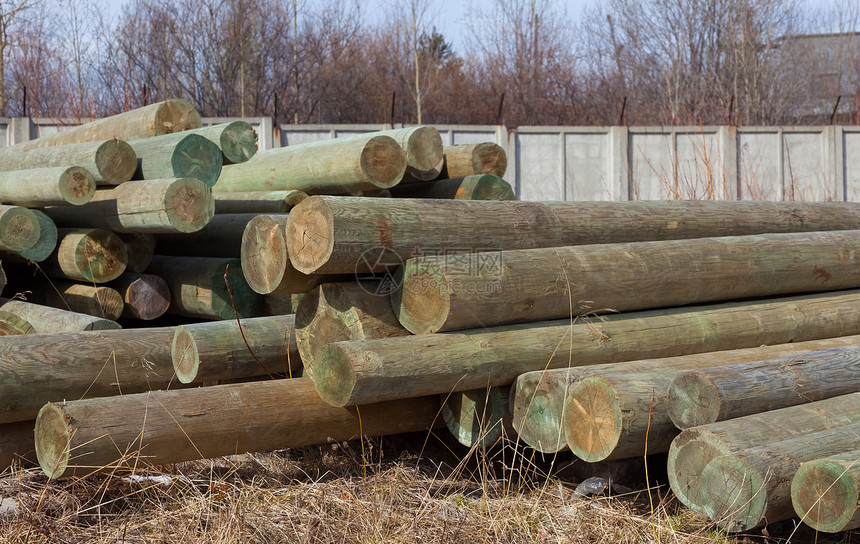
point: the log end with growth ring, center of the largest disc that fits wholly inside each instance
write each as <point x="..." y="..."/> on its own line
<point x="53" y="438"/>
<point x="19" y="228"/>
<point x="77" y="186"/>
<point x="189" y="204"/>
<point x="116" y="161"/>
<point x="489" y="158"/>
<point x="317" y="325"/>
<point x="485" y="187"/>
<point x="264" y="254"/>
<point x="175" y="115"/>
<point x="100" y="256"/>
<point x="383" y="161"/>
<point x="537" y="416"/>
<point x="147" y="297"/>
<point x="47" y="239"/>
<point x="592" y="419"/>
<point x="424" y="149"/>
<point x="693" y="400"/>
<point x="734" y="493"/>
<point x="422" y="299"/>
<point x="825" y="495"/>
<point x="334" y="376"/>
<point x="310" y="234"/>
<point x="476" y="417"/>
<point x="238" y="141"/>
<point x="99" y="300"/>
<point x="196" y="157"/>
<point x="689" y="454"/>
<point x="184" y="353"/>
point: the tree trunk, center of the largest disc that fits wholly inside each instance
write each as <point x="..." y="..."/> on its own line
<point x="177" y="155"/>
<point x="145" y="296"/>
<point x="236" y="140"/>
<point x="109" y="161"/>
<point x="90" y="255"/>
<point x="47" y="187"/>
<point x="47" y="319"/>
<point x="476" y="187"/>
<point x="474" y="159"/>
<point x="825" y="492"/>
<point x="276" y="202"/>
<point x="220" y="237"/>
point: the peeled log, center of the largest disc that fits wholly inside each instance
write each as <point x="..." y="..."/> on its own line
<point x="198" y="287"/>
<point x="92" y="255"/>
<point x="715" y="394"/>
<point x="329" y="235"/>
<point x="47" y="186"/>
<point x="47" y="319"/>
<point x="47" y="242"/>
<point x="477" y="187"/>
<point x="334" y="312"/>
<point x="474" y="159"/>
<point x="538" y="398"/>
<point x="265" y="346"/>
<point x="237" y="140"/>
<point x="440" y="293"/>
<point x="144" y="296"/>
<point x="331" y="166"/>
<point x="277" y="202"/>
<point x="95" y="300"/>
<point x="110" y="161"/>
<point x="480" y="417"/>
<point x="152" y="206"/>
<point x="172" y="115"/>
<point x="362" y="371"/>
<point x="19" y="228"/>
<point x="694" y="448"/>
<point x="424" y="152"/>
<point x="748" y="488"/>
<point x="179" y="155"/>
<point x="825" y="492"/>
<point x="81" y="437"/>
<point x="220" y="237"/>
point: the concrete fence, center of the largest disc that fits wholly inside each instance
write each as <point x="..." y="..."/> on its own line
<point x="620" y="163"/>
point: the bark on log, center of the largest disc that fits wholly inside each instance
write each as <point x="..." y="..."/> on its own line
<point x="477" y="187"/>
<point x="259" y="202"/>
<point x="825" y="492"/>
<point x="80" y="437"/>
<point x="165" y="117"/>
<point x="153" y="206"/>
<point x="237" y="140"/>
<point x="144" y="296"/>
<point x="329" y="235"/>
<point x="694" y="448"/>
<point x="220" y="237"/>
<point x="95" y="300"/>
<point x="45" y="319"/>
<point x="90" y="255"/>
<point x="179" y="155"/>
<point x="538" y="397"/>
<point x="47" y="187"/>
<point x="19" y="228"/>
<point x="264" y="346"/>
<point x="474" y="159"/>
<point x="715" y="394"/>
<point x="444" y="293"/>
<point x="358" y="372"/>
<point x="110" y="161"/>
<point x="331" y="166"/>
<point x="480" y="417"/>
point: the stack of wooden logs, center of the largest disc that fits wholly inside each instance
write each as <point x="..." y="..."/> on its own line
<point x="724" y="333"/>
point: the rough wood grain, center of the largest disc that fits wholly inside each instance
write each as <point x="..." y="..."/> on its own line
<point x="825" y="492"/>
<point x="110" y="161"/>
<point x="47" y="187"/>
<point x="19" y="228"/>
<point x="90" y="255"/>
<point x="144" y="296"/>
<point x="474" y="159"/>
<point x="48" y="319"/>
<point x="85" y="298"/>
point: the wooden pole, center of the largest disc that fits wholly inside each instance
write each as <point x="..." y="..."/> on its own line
<point x="276" y="202"/>
<point x="109" y="161"/>
<point x="358" y="372"/>
<point x="140" y="248"/>
<point x="480" y="417"/>
<point x="47" y="242"/>
<point x="825" y="492"/>
<point x="264" y="346"/>
<point x="476" y="187"/>
<point x="144" y="296"/>
<point x="474" y="159"/>
<point x="47" y="186"/>
<point x="19" y="228"/>
<point x="694" y="448"/>
<point x="329" y="235"/>
<point x="441" y="293"/>
<point x="198" y="287"/>
<point x="90" y="255"/>
<point x="331" y="166"/>
<point x="237" y="140"/>
<point x="80" y="437"/>
<point x="423" y="148"/>
<point x="172" y="115"/>
<point x="334" y="312"/>
<point x="220" y="237"/>
<point x="95" y="300"/>
<point x="748" y="488"/>
<point x="538" y="398"/>
<point x="178" y="155"/>
<point x="47" y="319"/>
<point x="152" y="206"/>
<point x="713" y="394"/>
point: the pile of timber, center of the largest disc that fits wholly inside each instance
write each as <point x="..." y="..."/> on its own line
<point x="384" y="283"/>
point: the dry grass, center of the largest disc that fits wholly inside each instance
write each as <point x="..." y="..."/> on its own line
<point x="397" y="489"/>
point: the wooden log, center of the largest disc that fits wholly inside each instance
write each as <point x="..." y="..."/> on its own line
<point x="538" y="398"/>
<point x="694" y="448"/>
<point x="445" y="292"/>
<point x="276" y="202"/>
<point x="329" y="235"/>
<point x="749" y="488"/>
<point x="80" y="437"/>
<point x="825" y="492"/>
<point x="165" y="117"/>
<point x="424" y="152"/>
<point x="12" y="325"/>
<point x="358" y="372"/>
<point x="477" y="187"/>
<point x="266" y="263"/>
<point x="16" y="446"/>
<point x="144" y="296"/>
<point x="95" y="300"/>
<point x="198" y="287"/>
<point x="237" y="140"/>
<point x="264" y="346"/>
<point x="91" y="255"/>
<point x="714" y="394"/>
<point x="334" y="312"/>
<point x="340" y="165"/>
<point x="179" y="155"/>
<point x="47" y="319"/>
<point x="19" y="228"/>
<point x="220" y="237"/>
<point x="474" y="159"/>
<point x="152" y="206"/>
<point x="140" y="248"/>
<point x="110" y="161"/>
<point x="47" y="187"/>
<point x="480" y="417"/>
<point x="44" y="246"/>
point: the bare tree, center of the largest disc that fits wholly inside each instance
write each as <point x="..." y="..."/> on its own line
<point x="9" y="12"/>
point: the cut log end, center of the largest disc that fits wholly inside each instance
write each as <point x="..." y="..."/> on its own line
<point x="183" y="351"/>
<point x="19" y="228"/>
<point x="825" y="496"/>
<point x="147" y="297"/>
<point x="47" y="239"/>
<point x="101" y="256"/>
<point x="424" y="149"/>
<point x="476" y="417"/>
<point x="238" y="141"/>
<point x="175" y="115"/>
<point x="489" y="158"/>
<point x="592" y="420"/>
<point x="486" y="187"/>
<point x="115" y="161"/>
<point x="52" y="440"/>
<point x="310" y="235"/>
<point x="334" y="377"/>
<point x="693" y="400"/>
<point x="687" y="460"/>
<point x="734" y="493"/>
<point x="537" y="417"/>
<point x="189" y="204"/>
<point x="264" y="254"/>
<point x="383" y="161"/>
<point x="422" y="299"/>
<point x="77" y="186"/>
<point x="197" y="157"/>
